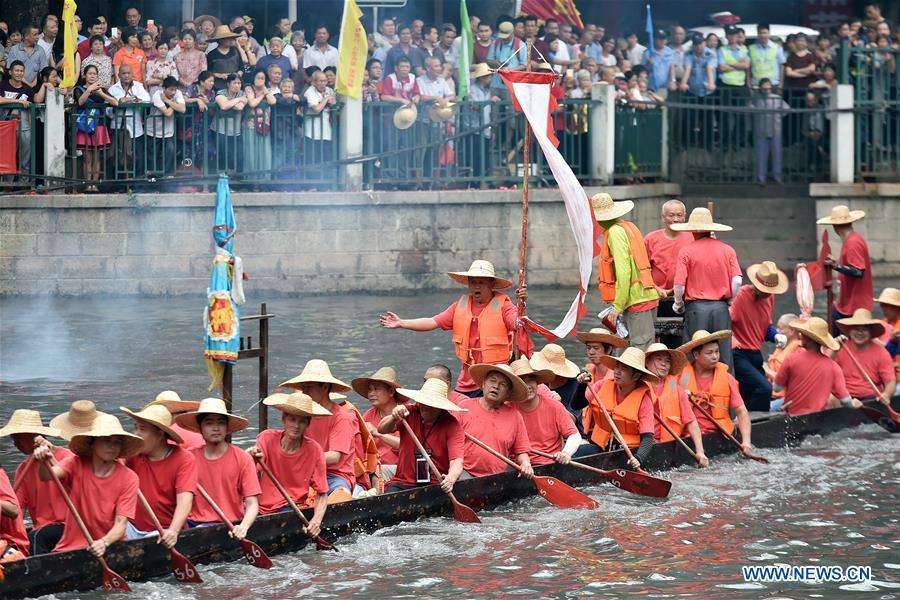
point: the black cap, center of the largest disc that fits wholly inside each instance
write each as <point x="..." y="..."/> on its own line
<point x="697" y="38"/>
<point x="731" y="30"/>
<point x="659" y="34"/>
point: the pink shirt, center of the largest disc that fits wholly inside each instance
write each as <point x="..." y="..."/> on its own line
<point x="337" y="433"/>
<point x="386" y="454"/>
<point x="808" y="378"/>
<point x="547" y="426"/>
<point x="297" y="472"/>
<point x="875" y="360"/>
<point x="662" y="252"/>
<point x="750" y="317"/>
<point x="856" y="292"/>
<point x="735" y="400"/>
<point x="705" y="268"/>
<point x="502" y="429"/>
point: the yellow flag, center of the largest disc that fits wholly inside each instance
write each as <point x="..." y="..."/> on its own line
<point x="352" y="52"/>
<point x="70" y="36"/>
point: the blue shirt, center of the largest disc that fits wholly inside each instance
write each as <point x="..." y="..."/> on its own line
<point x="594" y="51"/>
<point x="282" y="61"/>
<point x="500" y="51"/>
<point x="697" y="80"/>
<point x="659" y="71"/>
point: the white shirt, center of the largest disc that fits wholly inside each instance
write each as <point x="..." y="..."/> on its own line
<point x="317" y="126"/>
<point x="46" y="46"/>
<point x="635" y="55"/>
<point x="438" y="87"/>
<point x="159" y="126"/>
<point x="314" y="57"/>
<point x="130" y="117"/>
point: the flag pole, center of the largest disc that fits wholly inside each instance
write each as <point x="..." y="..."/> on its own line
<point x="523" y="258"/>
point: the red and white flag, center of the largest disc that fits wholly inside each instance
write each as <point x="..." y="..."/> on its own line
<point x="531" y="96"/>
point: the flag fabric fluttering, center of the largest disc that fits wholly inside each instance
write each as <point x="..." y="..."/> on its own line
<point x="531" y="96"/>
<point x="563" y="11"/>
<point x="352" y="52"/>
<point x="465" y="50"/>
<point x="70" y="38"/>
<point x="649" y="29"/>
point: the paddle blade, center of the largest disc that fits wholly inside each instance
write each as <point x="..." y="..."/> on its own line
<point x="640" y="483"/>
<point x="112" y="581"/>
<point x="757" y="458"/>
<point x="464" y="514"/>
<point x="183" y="569"/>
<point x="879" y="418"/>
<point x="255" y="555"/>
<point x="323" y="544"/>
<point x="562" y="495"/>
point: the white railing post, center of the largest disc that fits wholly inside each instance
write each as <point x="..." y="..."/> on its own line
<point x="351" y="142"/>
<point x="843" y="135"/>
<point x="603" y="132"/>
<point x="54" y="134"/>
<point x="664" y="140"/>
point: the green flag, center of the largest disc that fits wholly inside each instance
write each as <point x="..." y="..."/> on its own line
<point x="465" y="50"/>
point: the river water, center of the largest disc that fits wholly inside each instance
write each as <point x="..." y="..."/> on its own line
<point x="831" y="501"/>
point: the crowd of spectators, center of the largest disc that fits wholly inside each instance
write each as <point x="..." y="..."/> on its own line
<point x="240" y="74"/>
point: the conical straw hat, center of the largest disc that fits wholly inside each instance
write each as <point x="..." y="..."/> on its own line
<point x="440" y="114"/>
<point x="601" y="335"/>
<point x="889" y="296"/>
<point x="480" y="268"/>
<point x="480" y="70"/>
<point x="522" y="367"/>
<point x="222" y="32"/>
<point x="211" y="406"/>
<point x="173" y="402"/>
<point x="298" y="404"/>
<point x="630" y="357"/>
<point x="405" y="116"/>
<point x="158" y="416"/>
<point x="434" y="393"/>
<point x="841" y="215"/>
<point x="552" y="357"/>
<point x="861" y="318"/>
<point x="105" y="426"/>
<point x="768" y="278"/>
<point x="24" y="420"/>
<point x="385" y="375"/>
<point x="518" y="390"/>
<point x="678" y="359"/>
<point x="816" y="329"/>
<point x="700" y="220"/>
<point x="702" y="337"/>
<point x="605" y="209"/>
<point x="79" y="419"/>
<point x="317" y="371"/>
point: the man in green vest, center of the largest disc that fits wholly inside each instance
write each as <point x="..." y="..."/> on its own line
<point x="734" y="62"/>
<point x="766" y="59"/>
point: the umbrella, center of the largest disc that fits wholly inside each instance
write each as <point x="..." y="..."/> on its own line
<point x="221" y="318"/>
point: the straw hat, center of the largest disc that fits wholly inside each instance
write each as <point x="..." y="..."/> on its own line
<point x="679" y="360"/>
<point x="552" y="357"/>
<point x="405" y="116"/>
<point x="156" y="415"/>
<point x="440" y="114"/>
<point x="841" y="215"/>
<point x="889" y="296"/>
<point x="631" y="357"/>
<point x="79" y="419"/>
<point x="385" y="375"/>
<point x="337" y="398"/>
<point x="24" y="420"/>
<point x="601" y="335"/>
<point x="607" y="210"/>
<point x="222" y="32"/>
<point x="211" y="406"/>
<point x="105" y="426"/>
<point x="861" y="318"/>
<point x="522" y="367"/>
<point x="767" y="278"/>
<point x="816" y="329"/>
<point x="298" y="404"/>
<point x="199" y="21"/>
<point x="518" y="390"/>
<point x="173" y="402"/>
<point x="702" y="337"/>
<point x="317" y="371"/>
<point x="434" y="393"/>
<point x="480" y="70"/>
<point x="700" y="220"/>
<point x="480" y="268"/>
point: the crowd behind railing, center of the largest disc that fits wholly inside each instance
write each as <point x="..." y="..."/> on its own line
<point x="155" y="101"/>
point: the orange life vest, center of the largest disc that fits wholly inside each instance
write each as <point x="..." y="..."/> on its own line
<point x="717" y="399"/>
<point x="607" y="270"/>
<point x="669" y="408"/>
<point x="777" y="358"/>
<point x="587" y="416"/>
<point x="496" y="340"/>
<point x="366" y="460"/>
<point x="624" y="415"/>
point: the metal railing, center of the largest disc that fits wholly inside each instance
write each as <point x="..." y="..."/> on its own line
<point x="29" y="132"/>
<point x="639" y="140"/>
<point x="876" y="83"/>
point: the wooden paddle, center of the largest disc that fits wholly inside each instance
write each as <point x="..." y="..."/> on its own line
<point x="630" y="481"/>
<point x="321" y="544"/>
<point x="615" y="430"/>
<point x="254" y="554"/>
<point x="112" y="581"/>
<point x="554" y="490"/>
<point x="183" y="569"/>
<point x="461" y="512"/>
<point x="725" y="432"/>
<point x="894" y="415"/>
<point x="676" y="436"/>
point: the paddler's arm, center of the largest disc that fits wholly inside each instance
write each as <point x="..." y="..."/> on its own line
<point x="43" y="453"/>
<point x="646" y="447"/>
<point x="573" y="442"/>
<point x="391" y="440"/>
<point x="678" y="294"/>
<point x="315" y="524"/>
<point x="525" y="463"/>
<point x="251" y="509"/>
<point x="697" y="437"/>
<point x="389" y="423"/>
<point x="390" y="320"/>
<point x="116" y="533"/>
<point x="332" y="457"/>
<point x="183" y="503"/>
<point x="8" y="509"/>
<point x="453" y="473"/>
<point x="743" y="423"/>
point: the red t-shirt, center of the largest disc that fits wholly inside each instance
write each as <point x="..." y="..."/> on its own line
<point x="662" y="253"/>
<point x="337" y="433"/>
<point x="444" y="320"/>
<point x="502" y="429"/>
<point x="874" y="359"/>
<point x="12" y="530"/>
<point x="444" y="438"/>
<point x="41" y="499"/>
<point x="705" y="267"/>
<point x="750" y="318"/>
<point x="386" y="454"/>
<point x="228" y="480"/>
<point x="99" y="500"/>
<point x="734" y="401"/>
<point x="297" y="472"/>
<point x="161" y="481"/>
<point x="856" y="292"/>
<point x="192" y="439"/>
<point x="808" y="378"/>
<point x="480" y="53"/>
<point x="547" y="426"/>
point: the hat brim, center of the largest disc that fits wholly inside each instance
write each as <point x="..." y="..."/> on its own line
<point x="700" y="227"/>
<point x="15" y="429"/>
<point x="882" y="299"/>
<point x="518" y="390"/>
<point x="67" y="429"/>
<point x="568" y="370"/>
<point x="80" y="444"/>
<point x="189" y="421"/>
<point x="504" y="36"/>
<point x="618" y="209"/>
<point x="361" y="385"/>
<point x="199" y="20"/>
<point x="229" y="36"/>
<point x="602" y="338"/>
<point x="783" y="281"/>
<point x="876" y="328"/>
<point x="610" y="362"/>
<point x="542" y="375"/>
<point x="855" y="215"/>
<point x="418" y="397"/>
<point x="316" y="410"/>
<point x="175" y="406"/>
<point x="463" y="278"/>
<point x="829" y="342"/>
<point x="164" y="428"/>
<point x="716" y="336"/>
<point x="678" y="359"/>
<point x="336" y="384"/>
